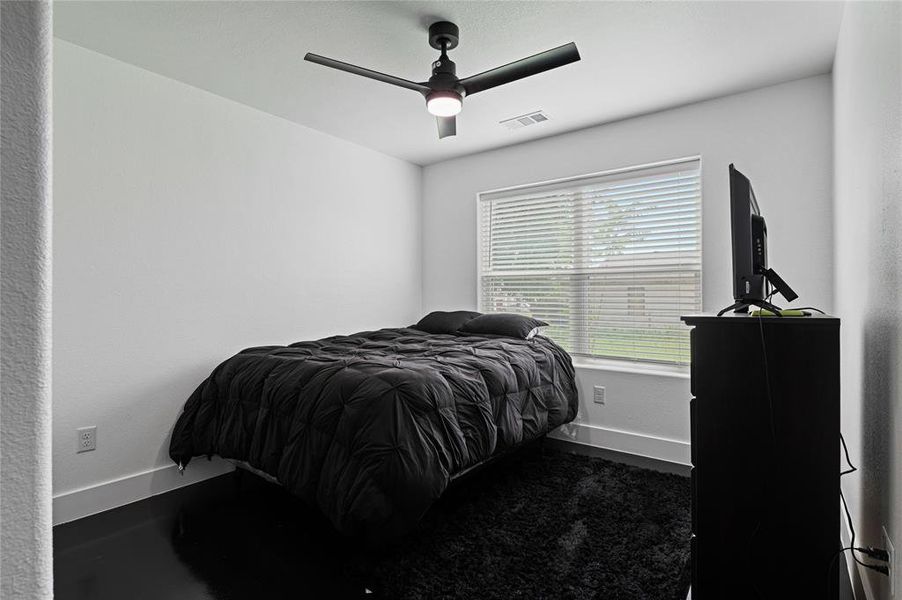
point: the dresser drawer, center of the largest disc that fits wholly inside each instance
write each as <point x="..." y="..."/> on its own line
<point x="692" y="361"/>
<point x="693" y="554"/>
<point x="693" y="431"/>
<point x="693" y="478"/>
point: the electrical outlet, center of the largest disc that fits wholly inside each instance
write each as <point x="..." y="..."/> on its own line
<point x="891" y="563"/>
<point x="599" y="394"/>
<point x="87" y="439"/>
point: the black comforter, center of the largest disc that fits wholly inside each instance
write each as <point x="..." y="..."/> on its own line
<point x="371" y="427"/>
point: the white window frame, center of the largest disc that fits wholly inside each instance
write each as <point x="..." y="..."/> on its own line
<point x="601" y="362"/>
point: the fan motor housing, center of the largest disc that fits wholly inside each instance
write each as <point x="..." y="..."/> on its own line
<point x="444" y="33"/>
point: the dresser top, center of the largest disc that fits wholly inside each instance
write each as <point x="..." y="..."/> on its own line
<point x="746" y="318"/>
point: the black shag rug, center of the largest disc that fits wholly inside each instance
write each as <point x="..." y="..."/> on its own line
<point x="541" y="523"/>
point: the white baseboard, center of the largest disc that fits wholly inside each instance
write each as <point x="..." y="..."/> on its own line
<point x="86" y="501"/>
<point x="630" y="442"/>
<point x="83" y="502"/>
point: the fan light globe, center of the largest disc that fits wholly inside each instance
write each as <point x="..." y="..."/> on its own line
<point x="444" y="104"/>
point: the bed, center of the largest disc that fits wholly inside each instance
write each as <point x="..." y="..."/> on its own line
<point x="372" y="427"/>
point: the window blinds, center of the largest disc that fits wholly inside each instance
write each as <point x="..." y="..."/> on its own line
<point x="610" y="261"/>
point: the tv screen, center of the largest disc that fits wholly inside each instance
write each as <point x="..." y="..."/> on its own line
<point x="749" y="234"/>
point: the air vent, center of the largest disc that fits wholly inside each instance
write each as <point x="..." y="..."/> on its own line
<point x="525" y="120"/>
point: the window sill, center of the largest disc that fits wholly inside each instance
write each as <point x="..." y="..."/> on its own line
<point x="637" y="368"/>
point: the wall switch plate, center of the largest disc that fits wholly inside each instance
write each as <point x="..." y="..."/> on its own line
<point x="891" y="563"/>
<point x="599" y="394"/>
<point x="87" y="439"/>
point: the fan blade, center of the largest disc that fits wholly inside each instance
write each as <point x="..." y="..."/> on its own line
<point x="343" y="66"/>
<point x="446" y="126"/>
<point x="543" y="61"/>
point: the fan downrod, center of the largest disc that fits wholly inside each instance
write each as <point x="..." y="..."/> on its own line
<point x="444" y="33"/>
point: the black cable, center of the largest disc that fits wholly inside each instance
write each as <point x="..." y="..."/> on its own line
<point x="845" y="507"/>
<point x="770" y="400"/>
<point x="773" y="435"/>
<point x="833" y="561"/>
<point x="875" y="553"/>
<point x="774" y="291"/>
<point x="814" y="308"/>
<point x="869" y="551"/>
<point x="773" y="431"/>
<point x="851" y="546"/>
<point x="852" y="468"/>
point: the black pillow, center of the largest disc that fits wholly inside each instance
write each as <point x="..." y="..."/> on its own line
<point x="440" y="321"/>
<point x="507" y="324"/>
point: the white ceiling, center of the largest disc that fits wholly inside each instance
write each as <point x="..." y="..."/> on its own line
<point x="637" y="57"/>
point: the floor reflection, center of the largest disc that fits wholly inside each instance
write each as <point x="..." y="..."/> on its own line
<point x="234" y="538"/>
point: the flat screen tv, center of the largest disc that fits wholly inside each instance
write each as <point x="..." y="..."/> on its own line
<point x="752" y="278"/>
<point x="749" y="233"/>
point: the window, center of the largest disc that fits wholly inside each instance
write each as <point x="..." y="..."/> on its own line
<point x="611" y="261"/>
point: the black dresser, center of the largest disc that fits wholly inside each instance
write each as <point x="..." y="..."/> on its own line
<point x="765" y="456"/>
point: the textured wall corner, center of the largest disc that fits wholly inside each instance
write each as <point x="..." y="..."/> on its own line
<point x="26" y="549"/>
<point x="867" y="84"/>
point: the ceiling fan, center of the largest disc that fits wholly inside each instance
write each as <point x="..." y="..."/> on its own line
<point x="444" y="92"/>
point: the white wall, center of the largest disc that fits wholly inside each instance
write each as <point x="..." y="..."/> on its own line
<point x="868" y="231"/>
<point x="780" y="136"/>
<point x="188" y="227"/>
<point x="26" y="543"/>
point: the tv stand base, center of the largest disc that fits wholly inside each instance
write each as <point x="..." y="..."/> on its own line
<point x="743" y="307"/>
